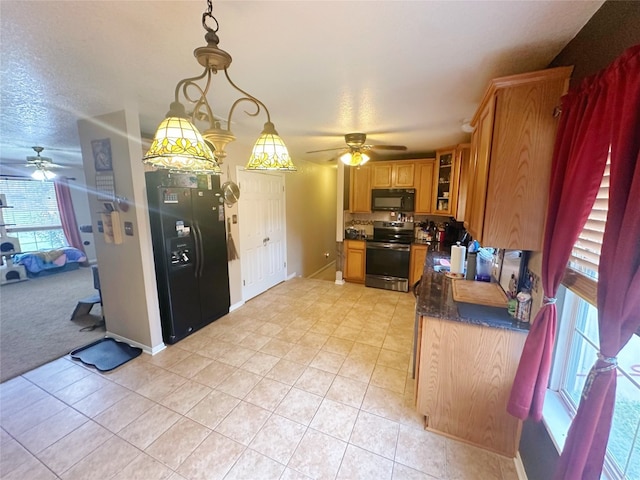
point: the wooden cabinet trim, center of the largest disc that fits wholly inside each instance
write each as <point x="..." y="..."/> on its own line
<point x="521" y="79"/>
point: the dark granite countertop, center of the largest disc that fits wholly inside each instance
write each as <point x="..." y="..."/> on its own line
<point x="435" y="299"/>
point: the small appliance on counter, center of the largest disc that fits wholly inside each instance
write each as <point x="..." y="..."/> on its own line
<point x="352" y="233"/>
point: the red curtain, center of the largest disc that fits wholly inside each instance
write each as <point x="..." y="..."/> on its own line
<point x="67" y="213"/>
<point x="619" y="272"/>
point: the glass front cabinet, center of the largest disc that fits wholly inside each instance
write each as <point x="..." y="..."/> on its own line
<point x="445" y="182"/>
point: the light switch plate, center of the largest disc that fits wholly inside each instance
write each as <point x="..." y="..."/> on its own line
<point x="128" y="228"/>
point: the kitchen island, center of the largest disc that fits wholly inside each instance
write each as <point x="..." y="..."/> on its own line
<point x="466" y="358"/>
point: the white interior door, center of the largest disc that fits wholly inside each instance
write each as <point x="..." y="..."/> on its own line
<point x="262" y="231"/>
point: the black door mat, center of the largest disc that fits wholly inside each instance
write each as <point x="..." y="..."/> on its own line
<point x="105" y="354"/>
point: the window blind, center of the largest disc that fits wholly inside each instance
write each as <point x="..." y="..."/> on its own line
<point x="33" y="205"/>
<point x="581" y="276"/>
<point x="585" y="255"/>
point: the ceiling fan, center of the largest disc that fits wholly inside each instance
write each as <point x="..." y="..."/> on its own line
<point x="42" y="165"/>
<point x="355" y="150"/>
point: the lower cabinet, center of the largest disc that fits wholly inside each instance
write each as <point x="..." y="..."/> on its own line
<point x="355" y="258"/>
<point x="464" y="377"/>
<point x="418" y="256"/>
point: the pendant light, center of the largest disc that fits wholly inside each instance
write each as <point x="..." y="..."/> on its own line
<point x="179" y="146"/>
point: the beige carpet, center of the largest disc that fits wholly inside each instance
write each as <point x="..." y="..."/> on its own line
<point x="35" y="325"/>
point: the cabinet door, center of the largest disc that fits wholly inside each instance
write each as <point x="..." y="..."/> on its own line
<point x="520" y="167"/>
<point x="444" y="181"/>
<point x="418" y="257"/>
<point x="481" y="148"/>
<point x="381" y="175"/>
<point x="463" y="386"/>
<point x="403" y="175"/>
<point x="424" y="187"/>
<point x="360" y="194"/>
<point x="463" y="160"/>
<point x="355" y="260"/>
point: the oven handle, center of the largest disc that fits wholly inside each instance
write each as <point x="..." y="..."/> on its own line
<point x="388" y="246"/>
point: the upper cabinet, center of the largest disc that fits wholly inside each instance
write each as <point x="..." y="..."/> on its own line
<point x="445" y="187"/>
<point x="510" y="166"/>
<point x="424" y="186"/>
<point x="360" y="191"/>
<point x="463" y="161"/>
<point x="395" y="174"/>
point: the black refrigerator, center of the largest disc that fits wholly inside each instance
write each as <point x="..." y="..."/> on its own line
<point x="190" y="251"/>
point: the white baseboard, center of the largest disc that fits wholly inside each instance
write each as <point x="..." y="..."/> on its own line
<point x="318" y="272"/>
<point x="145" y="348"/>
<point x="522" y="474"/>
<point x="236" y="306"/>
<point x="291" y="277"/>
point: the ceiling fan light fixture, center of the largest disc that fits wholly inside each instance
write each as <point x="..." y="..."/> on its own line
<point x="354" y="159"/>
<point x="189" y="153"/>
<point x="178" y="146"/>
<point x="42" y="174"/>
<point x="270" y="152"/>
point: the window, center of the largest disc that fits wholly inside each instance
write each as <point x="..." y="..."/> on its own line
<point x="575" y="355"/>
<point x="585" y="255"/>
<point x="578" y="344"/>
<point x="34" y="216"/>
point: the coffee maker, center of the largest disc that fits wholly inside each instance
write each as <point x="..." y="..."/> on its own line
<point x="454" y="232"/>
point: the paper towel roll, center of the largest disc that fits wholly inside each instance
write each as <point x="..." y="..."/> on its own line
<point x="457" y="258"/>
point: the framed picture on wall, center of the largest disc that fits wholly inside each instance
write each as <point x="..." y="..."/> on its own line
<point x="102" y="155"/>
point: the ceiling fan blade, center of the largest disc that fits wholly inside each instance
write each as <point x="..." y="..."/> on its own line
<point x="44" y="165"/>
<point x="387" y="147"/>
<point x="327" y="150"/>
<point x="33" y="159"/>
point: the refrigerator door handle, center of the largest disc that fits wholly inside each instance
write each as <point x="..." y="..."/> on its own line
<point x="199" y="251"/>
<point x="196" y="243"/>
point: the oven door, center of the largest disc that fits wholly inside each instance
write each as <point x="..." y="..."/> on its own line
<point x="387" y="265"/>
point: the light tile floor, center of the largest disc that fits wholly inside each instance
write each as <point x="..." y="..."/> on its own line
<point x="308" y="380"/>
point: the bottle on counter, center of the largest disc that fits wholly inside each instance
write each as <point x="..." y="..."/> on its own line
<point x="433" y="231"/>
<point x="471" y="266"/>
<point x="523" y="308"/>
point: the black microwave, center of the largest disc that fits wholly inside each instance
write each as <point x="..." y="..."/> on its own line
<point x="393" y="199"/>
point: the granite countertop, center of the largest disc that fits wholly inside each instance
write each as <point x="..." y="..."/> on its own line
<point x="434" y="298"/>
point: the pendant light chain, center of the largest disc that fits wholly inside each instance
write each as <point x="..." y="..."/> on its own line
<point x="209" y="14"/>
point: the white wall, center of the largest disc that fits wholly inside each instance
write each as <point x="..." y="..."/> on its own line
<point x="82" y="209"/>
<point x="127" y="274"/>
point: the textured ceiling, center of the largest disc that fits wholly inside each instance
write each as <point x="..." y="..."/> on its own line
<point x="405" y="72"/>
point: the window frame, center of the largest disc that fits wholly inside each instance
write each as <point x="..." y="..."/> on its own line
<point x="17" y="229"/>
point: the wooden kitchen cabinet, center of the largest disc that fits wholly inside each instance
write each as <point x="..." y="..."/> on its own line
<point x="424" y="186"/>
<point x="511" y="152"/>
<point x="463" y="160"/>
<point x="445" y="182"/>
<point x="416" y="263"/>
<point x="360" y="189"/>
<point x="355" y="257"/>
<point x="464" y="377"/>
<point x="395" y="174"/>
